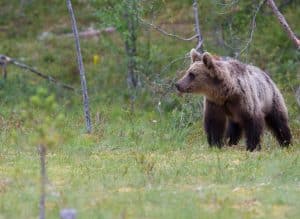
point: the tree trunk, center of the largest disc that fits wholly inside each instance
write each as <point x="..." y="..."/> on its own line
<point x="81" y="70"/>
<point x="199" y="46"/>
<point x="42" y="153"/>
<point x="4" y="72"/>
<point x="284" y="23"/>
<point x="130" y="43"/>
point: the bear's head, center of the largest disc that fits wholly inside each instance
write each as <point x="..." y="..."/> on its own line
<point x="202" y="75"/>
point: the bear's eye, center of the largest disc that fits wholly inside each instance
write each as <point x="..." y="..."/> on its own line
<point x="192" y="76"/>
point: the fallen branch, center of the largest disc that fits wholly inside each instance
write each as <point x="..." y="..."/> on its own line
<point x="90" y="32"/>
<point x="5" y="60"/>
<point x="166" y="33"/>
<point x="284" y="23"/>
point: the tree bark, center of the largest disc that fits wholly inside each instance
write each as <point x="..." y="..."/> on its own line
<point x="199" y="46"/>
<point x="81" y="70"/>
<point x="130" y="43"/>
<point x="4" y="71"/>
<point x="4" y="60"/>
<point x="42" y="153"/>
<point x="284" y="23"/>
<point x="130" y="16"/>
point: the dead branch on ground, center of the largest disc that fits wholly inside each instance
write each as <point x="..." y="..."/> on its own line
<point x="5" y="60"/>
<point x="91" y="32"/>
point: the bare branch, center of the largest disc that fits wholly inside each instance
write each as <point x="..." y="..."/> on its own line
<point x="198" y="35"/>
<point x="81" y="69"/>
<point x="5" y="60"/>
<point x="165" y="32"/>
<point x="284" y="23"/>
<point x="199" y="46"/>
<point x="253" y="25"/>
<point x="186" y="56"/>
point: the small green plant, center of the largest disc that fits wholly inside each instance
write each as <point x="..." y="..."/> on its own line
<point x="45" y="124"/>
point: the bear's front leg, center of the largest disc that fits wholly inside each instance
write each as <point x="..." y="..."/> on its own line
<point x="233" y="133"/>
<point x="214" y="123"/>
<point x="253" y="129"/>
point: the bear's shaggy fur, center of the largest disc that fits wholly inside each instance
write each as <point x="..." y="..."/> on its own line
<point x="239" y="98"/>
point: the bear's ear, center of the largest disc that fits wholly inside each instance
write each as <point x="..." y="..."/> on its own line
<point x="208" y="60"/>
<point x="195" y="56"/>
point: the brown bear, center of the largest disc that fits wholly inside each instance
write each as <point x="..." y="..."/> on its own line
<point x="239" y="98"/>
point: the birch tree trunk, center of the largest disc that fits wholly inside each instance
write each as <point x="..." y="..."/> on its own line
<point x="199" y="46"/>
<point x="81" y="70"/>
<point x="284" y="23"/>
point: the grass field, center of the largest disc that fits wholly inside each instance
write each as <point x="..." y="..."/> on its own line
<point x="139" y="166"/>
<point x="152" y="162"/>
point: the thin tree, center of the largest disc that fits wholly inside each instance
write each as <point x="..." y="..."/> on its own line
<point x="130" y="16"/>
<point x="199" y="46"/>
<point x="130" y="40"/>
<point x="284" y="23"/>
<point x="42" y="153"/>
<point x="3" y="63"/>
<point x="81" y="69"/>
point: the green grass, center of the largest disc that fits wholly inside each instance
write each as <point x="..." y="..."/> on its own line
<point x="132" y="167"/>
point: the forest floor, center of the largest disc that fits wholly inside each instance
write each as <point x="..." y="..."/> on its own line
<point x="140" y="167"/>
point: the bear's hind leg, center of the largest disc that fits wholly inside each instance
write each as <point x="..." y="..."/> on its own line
<point x="234" y="133"/>
<point x="214" y="124"/>
<point x="278" y="124"/>
<point x="253" y="130"/>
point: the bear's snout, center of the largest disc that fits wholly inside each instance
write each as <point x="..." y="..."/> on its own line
<point x="182" y="87"/>
<point x="177" y="86"/>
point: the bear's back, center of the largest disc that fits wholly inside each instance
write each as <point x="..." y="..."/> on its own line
<point x="254" y="85"/>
